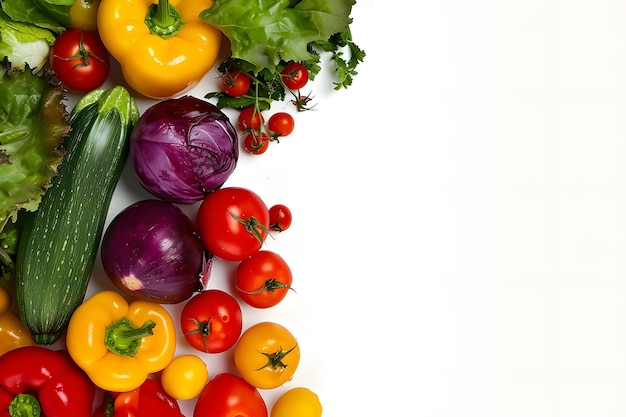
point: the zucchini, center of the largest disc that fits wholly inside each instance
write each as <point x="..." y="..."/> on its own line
<point x="59" y="242"/>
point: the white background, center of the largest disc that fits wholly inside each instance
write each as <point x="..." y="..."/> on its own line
<point x="459" y="225"/>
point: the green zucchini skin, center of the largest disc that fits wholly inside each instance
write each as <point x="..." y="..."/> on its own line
<point x="59" y="242"/>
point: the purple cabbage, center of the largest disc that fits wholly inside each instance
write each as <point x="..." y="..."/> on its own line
<point x="183" y="148"/>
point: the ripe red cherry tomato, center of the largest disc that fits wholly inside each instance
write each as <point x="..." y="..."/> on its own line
<point x="280" y="218"/>
<point x="80" y="60"/>
<point x="281" y="124"/>
<point x="249" y="119"/>
<point x="256" y="144"/>
<point x="263" y="279"/>
<point x="233" y="223"/>
<point x="211" y="321"/>
<point x="228" y="395"/>
<point x="295" y="75"/>
<point x="236" y="83"/>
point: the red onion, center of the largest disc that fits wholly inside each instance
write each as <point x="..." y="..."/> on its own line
<point x="151" y="251"/>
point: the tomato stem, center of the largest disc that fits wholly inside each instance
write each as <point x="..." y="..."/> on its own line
<point x="83" y="54"/>
<point x="204" y="329"/>
<point x="275" y="360"/>
<point x="270" y="285"/>
<point x="252" y="226"/>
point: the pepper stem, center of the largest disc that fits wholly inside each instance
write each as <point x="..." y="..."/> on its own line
<point x="163" y="19"/>
<point x="24" y="405"/>
<point x="124" y="338"/>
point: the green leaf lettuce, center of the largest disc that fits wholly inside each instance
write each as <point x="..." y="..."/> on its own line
<point x="24" y="43"/>
<point x="33" y="123"/>
<point x="264" y="32"/>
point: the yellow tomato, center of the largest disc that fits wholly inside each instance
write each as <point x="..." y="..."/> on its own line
<point x="83" y="14"/>
<point x="185" y="377"/>
<point x="267" y="355"/>
<point x="301" y="402"/>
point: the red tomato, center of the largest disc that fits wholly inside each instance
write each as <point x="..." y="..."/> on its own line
<point x="263" y="279"/>
<point x="233" y="223"/>
<point x="80" y="60"/>
<point x="281" y="124"/>
<point x="256" y="144"/>
<point x="236" y="83"/>
<point x="211" y="321"/>
<point x="228" y="395"/>
<point x="280" y="218"/>
<point x="249" y="119"/>
<point x="295" y="75"/>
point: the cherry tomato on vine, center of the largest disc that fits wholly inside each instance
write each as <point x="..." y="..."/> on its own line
<point x="211" y="321"/>
<point x="80" y="60"/>
<point x="299" y="401"/>
<point x="84" y="14"/>
<point x="302" y="102"/>
<point x="255" y="144"/>
<point x="263" y="279"/>
<point x="267" y="355"/>
<point x="250" y="119"/>
<point x="281" y="124"/>
<point x="233" y="223"/>
<point x="228" y="395"/>
<point x="280" y="218"/>
<point x="295" y="75"/>
<point x="236" y="83"/>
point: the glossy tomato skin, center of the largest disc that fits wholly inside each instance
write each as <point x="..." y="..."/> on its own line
<point x="228" y="395"/>
<point x="233" y="223"/>
<point x="211" y="321"/>
<point x="250" y="119"/>
<point x="281" y="124"/>
<point x="267" y="355"/>
<point x="295" y="75"/>
<point x="236" y="83"/>
<point x="255" y="144"/>
<point x="80" y="60"/>
<point x="300" y="401"/>
<point x="184" y="377"/>
<point x="263" y="280"/>
<point x="84" y="14"/>
<point x="280" y="217"/>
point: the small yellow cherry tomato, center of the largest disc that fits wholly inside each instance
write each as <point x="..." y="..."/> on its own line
<point x="83" y="14"/>
<point x="267" y="355"/>
<point x="185" y="377"/>
<point x="301" y="402"/>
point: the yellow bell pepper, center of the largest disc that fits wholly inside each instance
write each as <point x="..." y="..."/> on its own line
<point x="163" y="47"/>
<point x="119" y="344"/>
<point x="13" y="333"/>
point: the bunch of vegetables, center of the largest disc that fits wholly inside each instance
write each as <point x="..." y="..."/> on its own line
<point x="59" y="169"/>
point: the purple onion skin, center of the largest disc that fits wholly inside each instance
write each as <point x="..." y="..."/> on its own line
<point x="151" y="251"/>
<point x="183" y="148"/>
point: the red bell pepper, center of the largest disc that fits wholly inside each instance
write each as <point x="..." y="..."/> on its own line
<point x="149" y="400"/>
<point x="37" y="381"/>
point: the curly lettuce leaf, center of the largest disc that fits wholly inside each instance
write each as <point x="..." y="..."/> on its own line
<point x="264" y="32"/>
<point x="33" y="123"/>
